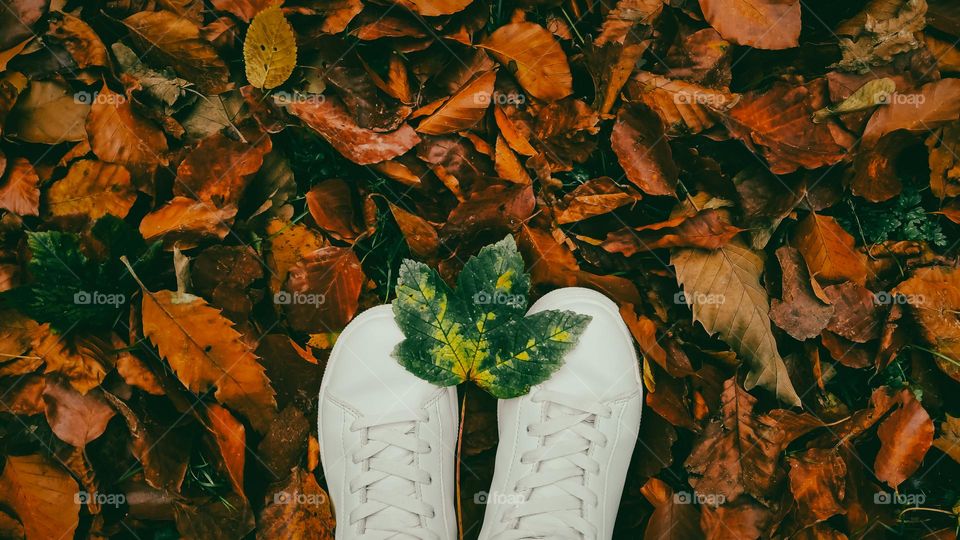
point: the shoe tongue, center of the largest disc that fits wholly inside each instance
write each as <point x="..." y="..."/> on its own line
<point x="555" y="491"/>
<point x="394" y="518"/>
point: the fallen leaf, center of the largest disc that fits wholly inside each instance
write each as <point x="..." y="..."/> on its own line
<point x="708" y="229"/>
<point x="75" y="418"/>
<point x="538" y="61"/>
<point x="800" y="313"/>
<point x="184" y="219"/>
<point x="905" y="437"/>
<point x="818" y="484"/>
<point x="92" y="189"/>
<point x="360" y="145"/>
<point x="19" y="192"/>
<point x="722" y="287"/>
<point x="931" y="106"/>
<point x="763" y="24"/>
<point x="829" y="250"/>
<point x="269" y="49"/>
<point x="642" y="151"/>
<point x="167" y="39"/>
<point x="118" y="135"/>
<point x="287" y="517"/>
<point x="949" y="440"/>
<point x="47" y="113"/>
<point x="42" y="495"/>
<point x="322" y="290"/>
<point x="463" y="109"/>
<point x="205" y="351"/>
<point x="331" y="205"/>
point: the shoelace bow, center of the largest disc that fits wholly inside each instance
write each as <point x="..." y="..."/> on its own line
<point x="391" y="507"/>
<point x="556" y="494"/>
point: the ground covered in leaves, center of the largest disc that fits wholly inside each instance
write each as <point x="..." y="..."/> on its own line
<point x="197" y="196"/>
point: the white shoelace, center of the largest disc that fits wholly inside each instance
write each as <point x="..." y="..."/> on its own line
<point x="555" y="494"/>
<point x="391" y="506"/>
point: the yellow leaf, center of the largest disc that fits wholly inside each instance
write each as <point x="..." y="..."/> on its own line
<point x="270" y="49"/>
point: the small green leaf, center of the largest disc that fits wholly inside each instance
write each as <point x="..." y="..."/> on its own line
<point x="479" y="332"/>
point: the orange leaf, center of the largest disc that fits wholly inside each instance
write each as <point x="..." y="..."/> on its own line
<point x="829" y="250"/>
<point x="540" y="63"/>
<point x="205" y="352"/>
<point x="43" y="496"/>
<point x="463" y="109"/>
<point x="18" y="191"/>
<point x="762" y="24"/>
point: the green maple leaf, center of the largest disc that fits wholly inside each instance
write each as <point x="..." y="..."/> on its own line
<point x="479" y="332"/>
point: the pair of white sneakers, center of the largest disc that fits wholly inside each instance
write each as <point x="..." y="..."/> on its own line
<point x="388" y="439"/>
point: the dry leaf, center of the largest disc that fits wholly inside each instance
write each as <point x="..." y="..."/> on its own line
<point x="269" y="49"/>
<point x="535" y="58"/>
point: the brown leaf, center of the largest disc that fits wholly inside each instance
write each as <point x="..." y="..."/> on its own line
<point x="186" y="220"/>
<point x="943" y="144"/>
<point x="43" y="496"/>
<point x="118" y="135"/>
<point x="246" y="10"/>
<point x="330" y="119"/>
<point x="535" y="58"/>
<point x="722" y="287"/>
<point x="673" y="517"/>
<point x="136" y="373"/>
<point x="949" y="440"/>
<point x="643" y="152"/>
<point x="205" y="351"/>
<point x="933" y="294"/>
<point x="762" y="24"/>
<point x="818" y="483"/>
<point x="81" y="360"/>
<point x="75" y="418"/>
<point x="707" y="229"/>
<point x="421" y="236"/>
<point x="593" y="198"/>
<point x="829" y="250"/>
<point x="92" y="189"/>
<point x="167" y="39"/>
<point x="46" y="112"/>
<point x="299" y="510"/>
<point x="323" y="290"/>
<point x="683" y="107"/>
<point x="229" y="437"/>
<point x="289" y="244"/>
<point x="779" y="122"/>
<point x="18" y="191"/>
<point x="497" y="209"/>
<point x="23" y="395"/>
<point x="934" y="104"/>
<point x="163" y="449"/>
<point x="739" y="453"/>
<point x="78" y="39"/>
<point x="285" y="444"/>
<point x="735" y="520"/>
<point x="463" y="109"/>
<point x="219" y="169"/>
<point x="17" y="18"/>
<point x="331" y="204"/>
<point x="856" y="311"/>
<point x="905" y="437"/>
<point x="800" y="313"/>
<point x="625" y="14"/>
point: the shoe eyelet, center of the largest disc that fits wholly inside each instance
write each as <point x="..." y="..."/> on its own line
<point x="430" y="480"/>
<point x="529" y="429"/>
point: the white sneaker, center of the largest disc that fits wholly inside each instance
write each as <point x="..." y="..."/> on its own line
<point x="565" y="447"/>
<point x="387" y="439"/>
